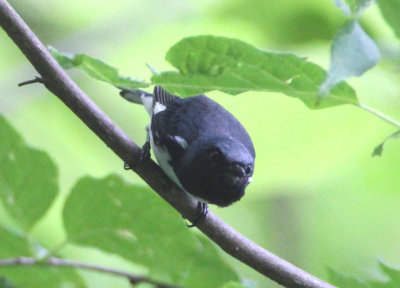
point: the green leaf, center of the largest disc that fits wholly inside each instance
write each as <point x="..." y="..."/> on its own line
<point x="134" y="223"/>
<point x="343" y="281"/>
<point x="232" y="284"/>
<point x="392" y="276"/>
<point x="390" y="10"/>
<point x="208" y="63"/>
<point x="208" y="268"/>
<point x="96" y="69"/>
<point x="28" y="178"/>
<point x="353" y="52"/>
<point x="379" y="149"/>
<point x="15" y="244"/>
<point x="392" y="273"/>
<point x="353" y="7"/>
<point x="4" y="283"/>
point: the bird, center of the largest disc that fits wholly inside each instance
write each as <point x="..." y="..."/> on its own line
<point x="201" y="146"/>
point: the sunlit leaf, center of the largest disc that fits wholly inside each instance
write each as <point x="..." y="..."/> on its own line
<point x="353" y="7"/>
<point x="391" y="275"/>
<point x="16" y="244"/>
<point x="28" y="178"/>
<point x="133" y="222"/>
<point x="353" y="52"/>
<point x="390" y="10"/>
<point x="379" y="149"/>
<point x="96" y="69"/>
<point x="343" y="281"/>
<point x="208" y="63"/>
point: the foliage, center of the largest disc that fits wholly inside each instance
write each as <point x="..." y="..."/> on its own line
<point x="378" y="149"/>
<point x="140" y="227"/>
<point x="390" y="9"/>
<point x="4" y="283"/>
<point x="353" y="7"/>
<point x="28" y="186"/>
<point x="392" y="280"/>
<point x="353" y="53"/>
<point x="234" y="285"/>
<point x="207" y="63"/>
<point x="134" y="223"/>
<point x="20" y="183"/>
<point x="96" y="69"/>
<point x="129" y="221"/>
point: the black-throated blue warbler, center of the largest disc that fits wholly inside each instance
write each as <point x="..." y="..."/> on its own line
<point x="201" y="146"/>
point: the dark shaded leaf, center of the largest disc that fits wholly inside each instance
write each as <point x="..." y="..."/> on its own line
<point x="131" y="221"/>
<point x="209" y="268"/>
<point x="379" y="149"/>
<point x="390" y="10"/>
<point x="28" y="178"/>
<point x="16" y="244"/>
<point x="4" y="283"/>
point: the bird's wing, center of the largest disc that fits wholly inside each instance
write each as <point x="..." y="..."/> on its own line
<point x="162" y="97"/>
<point x="167" y="113"/>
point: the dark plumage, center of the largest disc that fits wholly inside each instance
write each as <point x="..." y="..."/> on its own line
<point x="200" y="145"/>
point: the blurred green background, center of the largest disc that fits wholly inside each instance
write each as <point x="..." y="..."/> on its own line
<point x="318" y="198"/>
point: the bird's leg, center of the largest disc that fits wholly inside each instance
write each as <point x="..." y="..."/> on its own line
<point x="145" y="155"/>
<point x="202" y="214"/>
<point x="146" y="147"/>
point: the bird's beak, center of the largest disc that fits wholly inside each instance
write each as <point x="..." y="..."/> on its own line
<point x="236" y="170"/>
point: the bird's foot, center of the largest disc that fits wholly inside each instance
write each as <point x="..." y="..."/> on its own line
<point x="144" y="156"/>
<point x="202" y="214"/>
<point x="145" y="152"/>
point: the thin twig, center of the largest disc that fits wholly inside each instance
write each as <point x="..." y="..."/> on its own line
<point x="53" y="261"/>
<point x="36" y="80"/>
<point x="231" y="241"/>
<point x="379" y="114"/>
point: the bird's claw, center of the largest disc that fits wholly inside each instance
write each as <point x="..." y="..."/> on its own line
<point x="145" y="156"/>
<point x="202" y="214"/>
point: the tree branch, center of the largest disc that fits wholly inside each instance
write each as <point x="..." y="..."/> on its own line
<point x="59" y="83"/>
<point x="134" y="279"/>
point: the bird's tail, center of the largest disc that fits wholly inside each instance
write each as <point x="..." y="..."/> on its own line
<point x="139" y="97"/>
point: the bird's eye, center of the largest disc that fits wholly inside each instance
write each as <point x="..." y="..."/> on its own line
<point x="247" y="170"/>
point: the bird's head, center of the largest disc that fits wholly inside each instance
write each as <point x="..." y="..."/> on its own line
<point x="217" y="170"/>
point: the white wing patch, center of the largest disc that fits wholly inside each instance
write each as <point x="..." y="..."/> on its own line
<point x="163" y="157"/>
<point x="158" y="107"/>
<point x="182" y="142"/>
